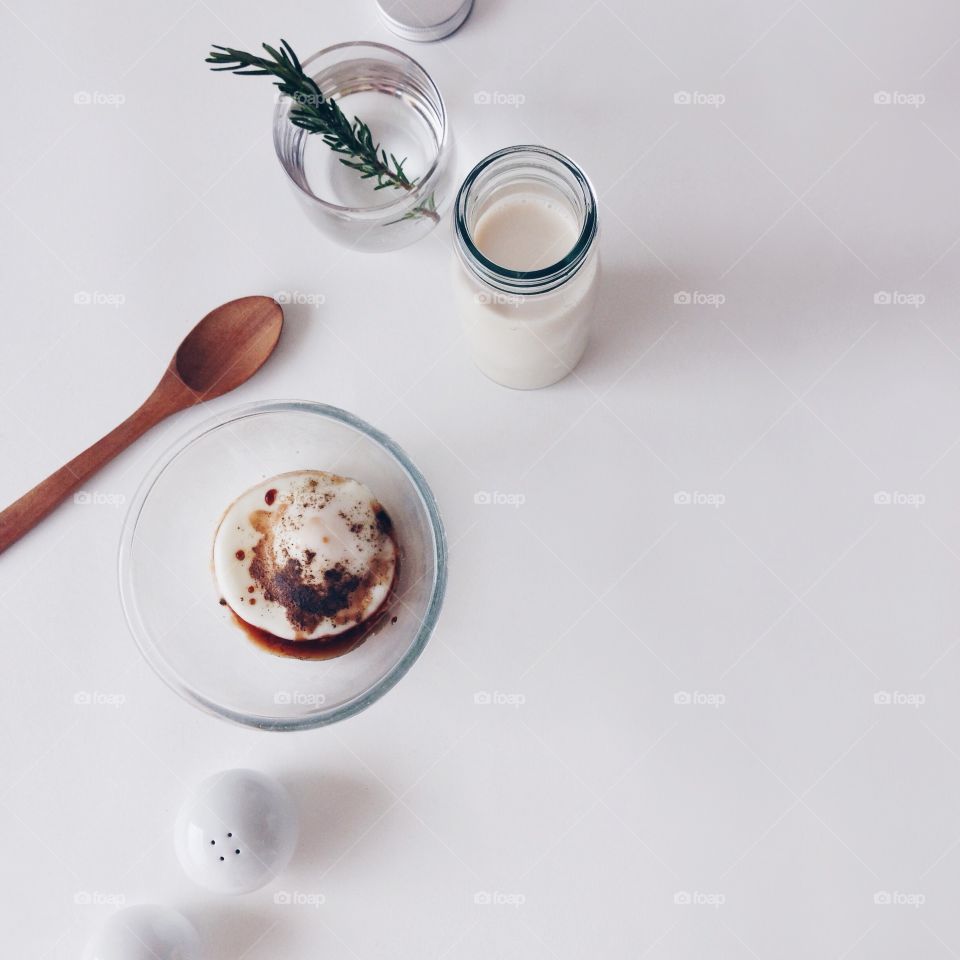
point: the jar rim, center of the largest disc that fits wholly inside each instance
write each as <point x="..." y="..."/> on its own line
<point x="531" y="281"/>
<point x="281" y="111"/>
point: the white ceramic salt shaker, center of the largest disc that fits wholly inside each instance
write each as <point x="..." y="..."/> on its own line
<point x="145" y="932"/>
<point x="236" y="831"/>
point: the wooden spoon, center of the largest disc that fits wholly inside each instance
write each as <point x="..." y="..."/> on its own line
<point x="223" y="350"/>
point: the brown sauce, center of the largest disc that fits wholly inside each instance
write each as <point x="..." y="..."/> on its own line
<point x="330" y="647"/>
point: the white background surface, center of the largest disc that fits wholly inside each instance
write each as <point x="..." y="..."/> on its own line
<point x="797" y="601"/>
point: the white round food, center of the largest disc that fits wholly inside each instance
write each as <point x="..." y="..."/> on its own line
<point x="305" y="555"/>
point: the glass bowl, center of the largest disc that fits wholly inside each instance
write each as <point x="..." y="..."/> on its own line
<point x="171" y="600"/>
<point x="401" y="104"/>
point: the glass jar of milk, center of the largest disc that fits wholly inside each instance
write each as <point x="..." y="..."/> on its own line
<point x="525" y="235"/>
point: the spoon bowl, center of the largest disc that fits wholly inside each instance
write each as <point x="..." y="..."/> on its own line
<point x="228" y="346"/>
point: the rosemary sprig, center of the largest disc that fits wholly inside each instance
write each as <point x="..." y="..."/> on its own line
<point x="316" y="113"/>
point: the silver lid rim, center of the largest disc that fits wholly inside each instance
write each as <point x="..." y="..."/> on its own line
<point x="429" y="32"/>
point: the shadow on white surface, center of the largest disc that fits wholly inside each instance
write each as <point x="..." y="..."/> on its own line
<point x="233" y="928"/>
<point x="630" y="314"/>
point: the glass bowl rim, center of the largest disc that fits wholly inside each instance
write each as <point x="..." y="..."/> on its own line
<point x="282" y="108"/>
<point x="141" y="635"/>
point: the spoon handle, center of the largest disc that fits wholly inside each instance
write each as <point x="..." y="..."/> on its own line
<point x="24" y="514"/>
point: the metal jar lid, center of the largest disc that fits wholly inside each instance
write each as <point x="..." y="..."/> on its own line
<point x="423" y="20"/>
